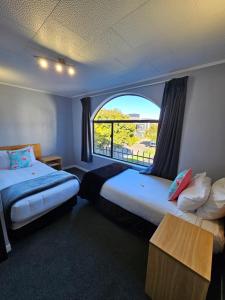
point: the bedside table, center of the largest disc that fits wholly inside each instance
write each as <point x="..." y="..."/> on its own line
<point x="52" y="161"/>
<point x="179" y="261"/>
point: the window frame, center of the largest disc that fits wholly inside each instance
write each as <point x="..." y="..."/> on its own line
<point x="112" y="122"/>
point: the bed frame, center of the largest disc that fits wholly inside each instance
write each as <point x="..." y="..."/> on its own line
<point x="36" y="147"/>
<point x="124" y="218"/>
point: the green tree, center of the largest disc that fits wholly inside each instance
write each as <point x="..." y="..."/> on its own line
<point x="151" y="132"/>
<point x="124" y="133"/>
<point x="111" y="114"/>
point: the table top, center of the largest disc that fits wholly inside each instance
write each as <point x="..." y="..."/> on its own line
<point x="50" y="158"/>
<point x="187" y="243"/>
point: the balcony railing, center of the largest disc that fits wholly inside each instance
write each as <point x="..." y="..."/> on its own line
<point x="138" y="158"/>
<point x="123" y="152"/>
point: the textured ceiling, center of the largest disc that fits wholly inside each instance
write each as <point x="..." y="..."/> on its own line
<point x="110" y="42"/>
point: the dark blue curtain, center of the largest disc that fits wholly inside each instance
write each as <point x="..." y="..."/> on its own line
<point x="166" y="158"/>
<point x="86" y="150"/>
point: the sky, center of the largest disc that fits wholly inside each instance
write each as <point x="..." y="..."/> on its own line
<point x="134" y="104"/>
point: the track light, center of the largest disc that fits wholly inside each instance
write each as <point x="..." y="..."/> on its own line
<point x="58" y="64"/>
<point x="71" y="71"/>
<point x="43" y="63"/>
<point x="59" y="67"/>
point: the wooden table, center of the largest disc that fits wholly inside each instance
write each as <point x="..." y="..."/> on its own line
<point x="179" y="261"/>
<point x="53" y="161"/>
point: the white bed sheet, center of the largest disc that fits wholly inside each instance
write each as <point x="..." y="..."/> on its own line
<point x="147" y="197"/>
<point x="29" y="208"/>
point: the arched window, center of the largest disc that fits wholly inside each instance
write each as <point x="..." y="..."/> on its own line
<point x="125" y="128"/>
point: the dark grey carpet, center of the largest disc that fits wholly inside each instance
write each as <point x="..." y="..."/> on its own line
<point x="81" y="255"/>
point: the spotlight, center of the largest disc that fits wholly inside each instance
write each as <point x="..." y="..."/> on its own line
<point x="43" y="63"/>
<point x="71" y="71"/>
<point x="58" y="67"/>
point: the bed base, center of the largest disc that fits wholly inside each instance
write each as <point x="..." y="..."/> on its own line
<point x="137" y="225"/>
<point x="124" y="218"/>
<point x="44" y="220"/>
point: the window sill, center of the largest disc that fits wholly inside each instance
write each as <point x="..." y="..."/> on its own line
<point x="138" y="167"/>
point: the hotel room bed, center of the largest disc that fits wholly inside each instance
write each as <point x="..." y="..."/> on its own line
<point x="32" y="207"/>
<point x="147" y="197"/>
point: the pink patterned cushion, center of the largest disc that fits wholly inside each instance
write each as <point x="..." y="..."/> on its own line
<point x="20" y="159"/>
<point x="182" y="180"/>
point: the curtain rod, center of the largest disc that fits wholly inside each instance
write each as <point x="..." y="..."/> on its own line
<point x="117" y="90"/>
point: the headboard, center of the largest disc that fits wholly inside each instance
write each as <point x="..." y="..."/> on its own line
<point x="36" y="147"/>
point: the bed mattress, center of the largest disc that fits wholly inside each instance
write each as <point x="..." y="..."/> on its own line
<point x="30" y="208"/>
<point x="147" y="197"/>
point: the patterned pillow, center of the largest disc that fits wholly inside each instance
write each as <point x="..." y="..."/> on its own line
<point x="20" y="159"/>
<point x="179" y="184"/>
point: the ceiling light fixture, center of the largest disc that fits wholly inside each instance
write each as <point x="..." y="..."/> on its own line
<point x="57" y="64"/>
<point x="71" y="71"/>
<point x="43" y="63"/>
<point x="59" y="67"/>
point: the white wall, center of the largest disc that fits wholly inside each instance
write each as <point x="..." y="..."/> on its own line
<point x="203" y="140"/>
<point x="33" y="117"/>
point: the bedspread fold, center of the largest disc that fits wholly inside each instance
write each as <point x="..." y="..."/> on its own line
<point x="93" y="180"/>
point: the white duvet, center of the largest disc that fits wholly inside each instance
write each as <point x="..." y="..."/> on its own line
<point x="31" y="207"/>
<point x="147" y="197"/>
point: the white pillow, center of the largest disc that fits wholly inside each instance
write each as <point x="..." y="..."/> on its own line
<point x="33" y="158"/>
<point x="4" y="160"/>
<point x="214" y="208"/>
<point x="196" y="194"/>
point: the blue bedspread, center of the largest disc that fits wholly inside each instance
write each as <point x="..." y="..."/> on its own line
<point x="16" y="192"/>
